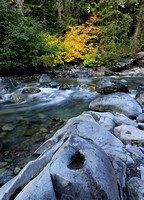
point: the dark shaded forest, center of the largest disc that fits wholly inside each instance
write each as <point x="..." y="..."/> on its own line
<point x="48" y="34"/>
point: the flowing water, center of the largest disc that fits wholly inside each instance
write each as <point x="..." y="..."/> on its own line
<point x="37" y="118"/>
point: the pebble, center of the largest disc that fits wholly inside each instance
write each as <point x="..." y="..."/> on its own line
<point x="43" y="130"/>
<point x="8" y="127"/>
<point x="16" y="170"/>
<point x="41" y="116"/>
<point x="3" y="164"/>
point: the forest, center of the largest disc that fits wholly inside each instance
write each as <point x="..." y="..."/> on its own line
<point x="45" y="34"/>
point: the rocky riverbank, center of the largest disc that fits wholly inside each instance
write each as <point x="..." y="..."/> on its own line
<point x="97" y="155"/>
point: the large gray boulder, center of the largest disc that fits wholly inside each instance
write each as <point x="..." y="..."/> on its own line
<point x="116" y="102"/>
<point x="74" y="161"/>
<point x="110" y="85"/>
<point x="135" y="189"/>
<point x="82" y="170"/>
<point x="79" y="170"/>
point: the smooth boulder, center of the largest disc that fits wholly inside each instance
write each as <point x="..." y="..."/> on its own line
<point x="82" y="170"/>
<point x="110" y="85"/>
<point x="129" y="134"/>
<point x="116" y="102"/>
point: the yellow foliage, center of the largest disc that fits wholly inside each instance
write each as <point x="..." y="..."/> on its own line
<point x="78" y="44"/>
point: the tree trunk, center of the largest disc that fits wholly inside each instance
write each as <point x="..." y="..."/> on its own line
<point x="138" y="24"/>
<point x="20" y="5"/>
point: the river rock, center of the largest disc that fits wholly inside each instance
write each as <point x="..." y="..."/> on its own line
<point x="140" y="95"/>
<point x="116" y="102"/>
<point x="53" y="84"/>
<point x="109" y="85"/>
<point x="64" y="87"/>
<point x="5" y="176"/>
<point x="135" y="151"/>
<point x="3" y="164"/>
<point x="141" y="126"/>
<point x="82" y="170"/>
<point x="18" y="97"/>
<point x="31" y="90"/>
<point x="8" y="127"/>
<point x="129" y="134"/>
<point x="142" y="172"/>
<point x="135" y="189"/>
<point x="84" y="80"/>
<point x="119" y="120"/>
<point x="105" y="119"/>
<point x="140" y="118"/>
<point x="44" y="79"/>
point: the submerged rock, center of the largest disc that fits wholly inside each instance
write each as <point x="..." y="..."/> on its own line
<point x="18" y="97"/>
<point x="116" y="102"/>
<point x="5" y="176"/>
<point x="53" y="85"/>
<point x="31" y="90"/>
<point x="64" y="87"/>
<point x="8" y="127"/>
<point x="135" y="189"/>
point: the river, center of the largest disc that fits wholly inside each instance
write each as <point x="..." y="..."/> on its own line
<point x="40" y="115"/>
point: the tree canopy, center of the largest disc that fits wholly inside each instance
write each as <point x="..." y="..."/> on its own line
<point x="50" y="33"/>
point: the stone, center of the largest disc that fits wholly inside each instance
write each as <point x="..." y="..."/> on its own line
<point x="54" y="84"/>
<point x="43" y="130"/>
<point x="64" y="87"/>
<point x="84" y="80"/>
<point x="31" y="90"/>
<point x="16" y="170"/>
<point x="44" y="79"/>
<point x="40" y="188"/>
<point x="120" y="120"/>
<point x="135" y="189"/>
<point x="135" y="151"/>
<point x="8" y="127"/>
<point x="82" y="170"/>
<point x="116" y="102"/>
<point x="18" y="97"/>
<point x="142" y="172"/>
<point x="129" y="134"/>
<point x="5" y="176"/>
<point x="3" y="164"/>
<point x="41" y="116"/>
<point x="140" y="118"/>
<point x="141" y="126"/>
<point x="105" y="119"/>
<point x="140" y="95"/>
<point x="81" y="135"/>
<point x="109" y="85"/>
